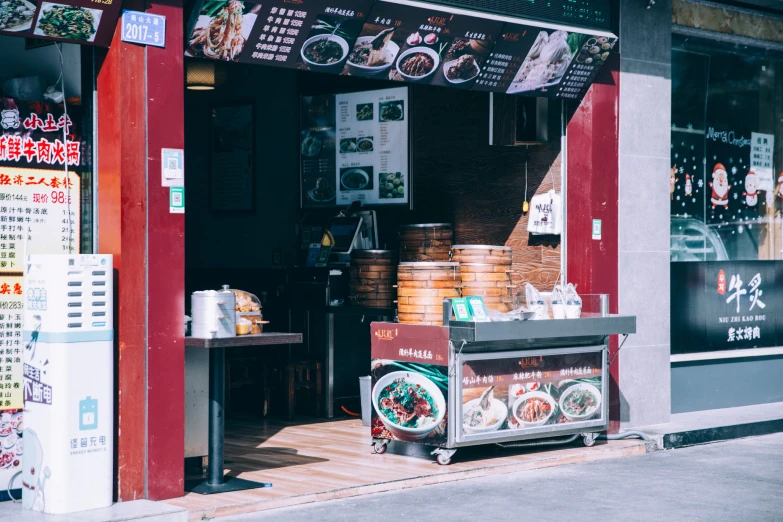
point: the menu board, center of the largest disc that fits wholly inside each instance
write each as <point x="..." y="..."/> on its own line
<point x="405" y="42"/>
<point x="90" y="22"/>
<point x="11" y="313"/>
<point x="431" y="46"/>
<point x="523" y="393"/>
<point x="533" y="61"/>
<point x="354" y="147"/>
<point x="309" y="34"/>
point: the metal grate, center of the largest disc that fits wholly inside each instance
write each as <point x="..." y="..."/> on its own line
<point x="595" y="14"/>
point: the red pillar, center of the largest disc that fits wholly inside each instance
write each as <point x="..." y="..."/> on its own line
<point x="140" y="109"/>
<point x="593" y="193"/>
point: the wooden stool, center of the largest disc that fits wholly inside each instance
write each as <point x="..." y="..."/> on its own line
<point x="304" y="375"/>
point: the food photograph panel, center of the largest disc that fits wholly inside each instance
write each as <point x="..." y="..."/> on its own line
<point x="317" y="151"/>
<point x="531" y="392"/>
<point x="68" y="22"/>
<point x="16" y="15"/>
<point x="222" y="29"/>
<point x="409" y="383"/>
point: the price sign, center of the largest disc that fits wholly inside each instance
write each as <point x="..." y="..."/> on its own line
<point x="143" y="28"/>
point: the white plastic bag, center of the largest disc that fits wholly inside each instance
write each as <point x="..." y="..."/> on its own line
<point x="573" y="303"/>
<point x="536" y="303"/>
<point x="558" y="302"/>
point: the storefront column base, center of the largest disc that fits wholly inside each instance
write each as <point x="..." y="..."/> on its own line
<point x="203" y="487"/>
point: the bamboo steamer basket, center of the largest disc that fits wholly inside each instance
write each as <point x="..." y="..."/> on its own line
<point x="421" y="288"/>
<point x="372" y="278"/>
<point x="427" y="242"/>
<point x="485" y="254"/>
<point x="489" y="280"/>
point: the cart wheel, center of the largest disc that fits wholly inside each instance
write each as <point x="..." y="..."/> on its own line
<point x="443" y="460"/>
<point x="589" y="441"/>
<point x="379" y="448"/>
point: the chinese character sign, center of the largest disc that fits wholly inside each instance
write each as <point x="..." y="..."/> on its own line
<point x="409" y="382"/>
<point x="523" y="393"/>
<point x="11" y="342"/>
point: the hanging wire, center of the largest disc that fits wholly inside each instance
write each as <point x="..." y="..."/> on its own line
<point x="65" y="146"/>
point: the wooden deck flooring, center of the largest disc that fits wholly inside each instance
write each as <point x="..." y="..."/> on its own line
<point x="316" y="461"/>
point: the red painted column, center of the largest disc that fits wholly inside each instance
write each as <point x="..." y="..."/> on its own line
<point x="593" y="193"/>
<point x="166" y="265"/>
<point x="140" y="109"/>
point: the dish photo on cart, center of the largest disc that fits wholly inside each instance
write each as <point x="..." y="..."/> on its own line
<point x="324" y="52"/>
<point x="68" y="22"/>
<point x="580" y="401"/>
<point x="533" y="409"/>
<point x="391" y="111"/>
<point x="409" y="404"/>
<point x="356" y="179"/>
<point x="222" y="29"/>
<point x="372" y="55"/>
<point x="417" y="63"/>
<point x="16" y="15"/>
<point x="6" y="459"/>
<point x="461" y="70"/>
<point x="483" y="418"/>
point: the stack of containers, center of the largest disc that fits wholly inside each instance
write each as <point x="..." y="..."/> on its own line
<point x="429" y="242"/>
<point x="373" y="275"/>
<point x="421" y="288"/>
<point x="485" y="270"/>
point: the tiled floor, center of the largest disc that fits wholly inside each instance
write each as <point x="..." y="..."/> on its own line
<point x="311" y="462"/>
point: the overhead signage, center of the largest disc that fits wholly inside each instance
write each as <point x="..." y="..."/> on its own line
<point x="405" y="41"/>
<point x="143" y="28"/>
<point x="89" y="22"/>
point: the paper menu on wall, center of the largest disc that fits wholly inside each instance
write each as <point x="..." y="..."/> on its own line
<point x="761" y="160"/>
<point x="372" y="147"/>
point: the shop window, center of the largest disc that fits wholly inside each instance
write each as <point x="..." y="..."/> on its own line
<point x="726" y="184"/>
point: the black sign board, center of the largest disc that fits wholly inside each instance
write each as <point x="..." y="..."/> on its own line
<point x="725" y="305"/>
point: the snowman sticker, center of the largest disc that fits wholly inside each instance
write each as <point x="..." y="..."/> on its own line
<point x="688" y="185"/>
<point x="751" y="189"/>
<point x="33" y="477"/>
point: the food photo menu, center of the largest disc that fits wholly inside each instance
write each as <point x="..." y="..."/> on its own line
<point x="372" y="152"/>
<point x="354" y="147"/>
<point x="536" y="61"/>
<point x="90" y="22"/>
<point x="422" y="45"/>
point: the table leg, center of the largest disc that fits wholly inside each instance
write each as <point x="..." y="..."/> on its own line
<point x="329" y="367"/>
<point x="216" y="482"/>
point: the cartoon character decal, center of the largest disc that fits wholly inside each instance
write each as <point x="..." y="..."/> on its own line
<point x="33" y="477"/>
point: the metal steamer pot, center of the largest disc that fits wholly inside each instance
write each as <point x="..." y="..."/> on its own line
<point x="213" y="313"/>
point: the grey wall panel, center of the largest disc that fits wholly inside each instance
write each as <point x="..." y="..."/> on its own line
<point x="726" y="383"/>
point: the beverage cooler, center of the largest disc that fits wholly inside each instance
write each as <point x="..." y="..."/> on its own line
<point x="471" y="383"/>
<point x="67" y="463"/>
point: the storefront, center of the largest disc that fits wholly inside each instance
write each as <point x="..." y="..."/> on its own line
<point x="725" y="182"/>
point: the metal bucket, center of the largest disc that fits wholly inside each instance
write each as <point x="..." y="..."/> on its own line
<point x="365" y="389"/>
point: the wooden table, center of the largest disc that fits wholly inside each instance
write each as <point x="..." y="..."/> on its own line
<point x="216" y="482"/>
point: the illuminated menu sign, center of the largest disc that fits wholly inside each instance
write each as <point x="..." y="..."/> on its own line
<point x="90" y="22"/>
<point x="413" y="44"/>
<point x="405" y="41"/>
<point x="309" y="34"/>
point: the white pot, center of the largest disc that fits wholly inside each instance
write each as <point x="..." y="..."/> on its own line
<point x="213" y="313"/>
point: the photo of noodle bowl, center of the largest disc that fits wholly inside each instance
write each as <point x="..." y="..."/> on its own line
<point x="408" y="404"/>
<point x="222" y="29"/>
<point x="478" y="417"/>
<point x="547" y="61"/>
<point x="533" y="408"/>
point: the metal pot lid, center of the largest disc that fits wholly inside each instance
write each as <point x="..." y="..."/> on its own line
<point x="211" y="293"/>
<point x="425" y="225"/>
<point x="477" y="247"/>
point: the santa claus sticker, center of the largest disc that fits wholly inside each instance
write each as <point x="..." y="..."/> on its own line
<point x="720" y="187"/>
<point x="688" y="185"/>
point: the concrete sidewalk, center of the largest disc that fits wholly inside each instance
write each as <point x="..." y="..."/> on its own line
<point x="727" y="481"/>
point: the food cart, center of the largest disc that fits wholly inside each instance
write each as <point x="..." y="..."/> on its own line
<point x="505" y="381"/>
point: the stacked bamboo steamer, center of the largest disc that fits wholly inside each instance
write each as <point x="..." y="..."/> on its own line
<point x="485" y="270"/>
<point x="373" y="275"/>
<point x="421" y="288"/>
<point x="429" y="242"/>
